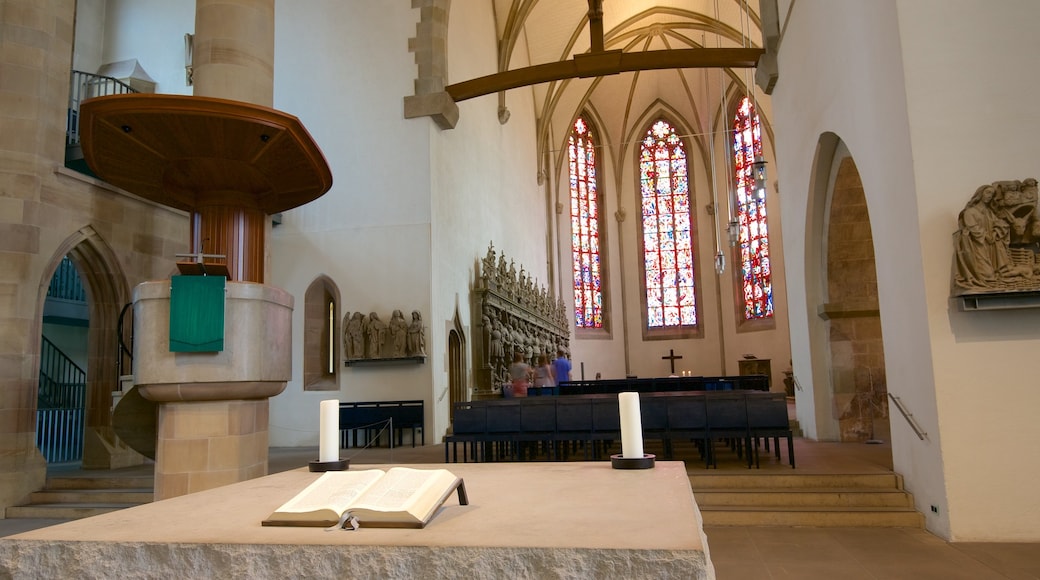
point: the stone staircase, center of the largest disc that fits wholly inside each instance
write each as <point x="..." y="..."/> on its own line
<point x="71" y="498"/>
<point x="805" y="499"/>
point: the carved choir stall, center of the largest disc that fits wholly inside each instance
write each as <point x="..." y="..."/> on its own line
<point x="516" y="315"/>
<point x="996" y="257"/>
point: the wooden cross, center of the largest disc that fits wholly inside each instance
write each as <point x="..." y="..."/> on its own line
<point x="671" y="358"/>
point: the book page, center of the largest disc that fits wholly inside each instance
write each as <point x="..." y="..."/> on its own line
<point x="406" y="490"/>
<point x="333" y="491"/>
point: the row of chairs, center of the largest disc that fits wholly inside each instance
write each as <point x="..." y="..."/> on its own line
<point x="505" y="428"/>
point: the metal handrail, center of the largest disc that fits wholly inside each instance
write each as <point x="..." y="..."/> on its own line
<point x="921" y="434"/>
<point x="85" y="86"/>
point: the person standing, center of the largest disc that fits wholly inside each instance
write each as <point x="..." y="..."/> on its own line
<point x="519" y="374"/>
<point x="561" y="367"/>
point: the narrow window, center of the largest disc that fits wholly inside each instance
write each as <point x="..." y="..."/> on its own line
<point x="588" y="294"/>
<point x="667" y="231"/>
<point x="321" y="342"/>
<point x="753" y="238"/>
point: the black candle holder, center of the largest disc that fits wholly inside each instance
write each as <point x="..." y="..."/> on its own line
<point x="619" y="461"/>
<point x="337" y="465"/>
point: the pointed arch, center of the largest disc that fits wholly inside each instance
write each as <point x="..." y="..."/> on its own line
<point x="457" y="371"/>
<point x="667" y="233"/>
<point x="107" y="292"/>
<point x="586" y="207"/>
<point x="755" y="294"/>
<point x="321" y="341"/>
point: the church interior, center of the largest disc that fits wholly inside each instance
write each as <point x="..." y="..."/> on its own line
<point x="655" y="188"/>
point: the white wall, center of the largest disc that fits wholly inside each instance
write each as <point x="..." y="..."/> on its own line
<point x="923" y="140"/>
<point x="152" y="31"/>
<point x="484" y="186"/>
<point x="343" y="69"/>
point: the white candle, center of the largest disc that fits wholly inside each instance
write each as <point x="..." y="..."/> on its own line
<point x="631" y="426"/>
<point x="328" y="431"/>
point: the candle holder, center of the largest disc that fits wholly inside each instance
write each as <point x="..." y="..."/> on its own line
<point x="619" y="461"/>
<point x="337" y="465"/>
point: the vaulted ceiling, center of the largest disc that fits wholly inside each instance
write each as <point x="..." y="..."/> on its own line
<point x="533" y="32"/>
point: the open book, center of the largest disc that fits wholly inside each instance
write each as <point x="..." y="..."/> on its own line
<point x="400" y="497"/>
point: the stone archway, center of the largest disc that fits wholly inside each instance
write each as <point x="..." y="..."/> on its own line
<point x="107" y="292"/>
<point x="456" y="365"/>
<point x="857" y="357"/>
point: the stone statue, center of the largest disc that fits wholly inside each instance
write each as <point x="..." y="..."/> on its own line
<point x="376" y="331"/>
<point x="398" y="332"/>
<point x="353" y="336"/>
<point x="416" y="336"/>
<point x="488" y="266"/>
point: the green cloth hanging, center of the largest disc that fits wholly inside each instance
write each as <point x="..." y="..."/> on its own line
<point x="197" y="313"/>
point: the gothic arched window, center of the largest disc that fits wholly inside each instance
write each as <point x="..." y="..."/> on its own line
<point x="667" y="230"/>
<point x="321" y="343"/>
<point x="753" y="237"/>
<point x="585" y="239"/>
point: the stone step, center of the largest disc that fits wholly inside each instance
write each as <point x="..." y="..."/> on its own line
<point x="804" y="498"/>
<point x="135" y="482"/>
<point x="92" y="496"/>
<point x="63" y="511"/>
<point x="815" y="517"/>
<point x="750" y="479"/>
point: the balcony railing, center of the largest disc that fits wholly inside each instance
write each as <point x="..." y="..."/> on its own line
<point x="85" y="86"/>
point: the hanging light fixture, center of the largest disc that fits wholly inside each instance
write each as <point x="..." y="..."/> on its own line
<point x="759" y="171"/>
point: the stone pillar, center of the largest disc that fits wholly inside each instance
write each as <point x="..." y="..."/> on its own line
<point x="213" y="408"/>
<point x="234" y="50"/>
<point x="37" y="41"/>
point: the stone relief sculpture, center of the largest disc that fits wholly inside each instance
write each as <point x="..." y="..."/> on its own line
<point x="368" y="338"/>
<point x="997" y="242"/>
<point x="516" y="315"/>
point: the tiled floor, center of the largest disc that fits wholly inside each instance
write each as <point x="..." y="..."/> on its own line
<point x="773" y="553"/>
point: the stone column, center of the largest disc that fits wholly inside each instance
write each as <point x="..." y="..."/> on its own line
<point x="233" y="59"/>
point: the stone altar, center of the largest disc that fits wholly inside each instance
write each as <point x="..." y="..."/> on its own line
<point x="535" y="520"/>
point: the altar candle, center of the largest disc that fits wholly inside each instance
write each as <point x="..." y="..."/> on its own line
<point x="631" y="426"/>
<point x="328" y="431"/>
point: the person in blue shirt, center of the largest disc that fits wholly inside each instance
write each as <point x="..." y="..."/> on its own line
<point x="561" y="367"/>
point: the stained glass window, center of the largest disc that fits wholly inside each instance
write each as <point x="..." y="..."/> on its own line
<point x="753" y="237"/>
<point x="588" y="294"/>
<point x="667" y="232"/>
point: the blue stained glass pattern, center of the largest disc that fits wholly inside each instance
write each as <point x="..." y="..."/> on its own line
<point x="667" y="225"/>
<point x="751" y="215"/>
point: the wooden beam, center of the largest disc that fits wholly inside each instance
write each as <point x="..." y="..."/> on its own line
<point x="603" y="64"/>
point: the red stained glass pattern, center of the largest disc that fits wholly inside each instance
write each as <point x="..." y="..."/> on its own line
<point x="667" y="240"/>
<point x="588" y="294"/>
<point x="753" y="237"/>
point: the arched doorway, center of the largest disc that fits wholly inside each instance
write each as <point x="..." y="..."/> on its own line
<point x="456" y="365"/>
<point x="850" y="392"/>
<point x="106" y="291"/>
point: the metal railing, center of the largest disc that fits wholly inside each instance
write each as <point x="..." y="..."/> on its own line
<point x="85" y="86"/>
<point x="60" y="405"/>
<point x="921" y="434"/>
<point x="66" y="283"/>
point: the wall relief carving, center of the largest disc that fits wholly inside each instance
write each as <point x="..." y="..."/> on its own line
<point x="997" y="242"/>
<point x="515" y="315"/>
<point x="370" y="338"/>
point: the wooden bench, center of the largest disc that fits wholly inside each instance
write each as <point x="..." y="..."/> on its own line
<point x="372" y="418"/>
<point x="498" y="429"/>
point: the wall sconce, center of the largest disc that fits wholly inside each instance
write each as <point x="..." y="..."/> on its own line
<point x="720" y="262"/>
<point x="733" y="229"/>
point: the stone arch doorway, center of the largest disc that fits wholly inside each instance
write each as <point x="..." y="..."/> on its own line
<point x="456" y="365"/>
<point x="849" y="392"/>
<point x="107" y="291"/>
